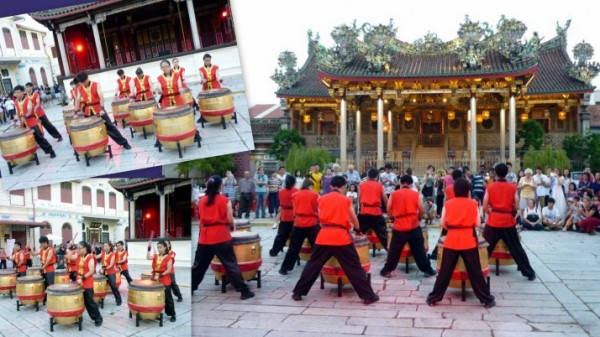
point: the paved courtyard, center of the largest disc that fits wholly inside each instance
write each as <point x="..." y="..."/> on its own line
<point x="28" y="322"/>
<point x="216" y="141"/>
<point x="563" y="301"/>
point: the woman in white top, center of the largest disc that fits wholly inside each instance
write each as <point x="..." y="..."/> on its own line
<point x="558" y="193"/>
<point x="567" y="179"/>
<point x="530" y="218"/>
<point x="299" y="179"/>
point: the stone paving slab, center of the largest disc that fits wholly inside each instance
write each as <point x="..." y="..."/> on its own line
<point x="563" y="301"/>
<point x="216" y="141"/>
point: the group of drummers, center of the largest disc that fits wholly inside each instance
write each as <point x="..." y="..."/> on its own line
<point x="82" y="260"/>
<point x="327" y="222"/>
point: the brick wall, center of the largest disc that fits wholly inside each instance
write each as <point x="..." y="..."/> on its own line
<point x="242" y="163"/>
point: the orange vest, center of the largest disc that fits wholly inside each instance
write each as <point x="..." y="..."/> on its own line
<point x="120" y="256"/>
<point x="214" y="226"/>
<point x="170" y="90"/>
<point x="334" y="219"/>
<point x="405" y="209"/>
<point x="143" y="92"/>
<point x="73" y="265"/>
<point x="90" y="99"/>
<point x="460" y="218"/>
<point x="210" y="77"/>
<point x="21" y="106"/>
<point x="180" y="71"/>
<point x="44" y="256"/>
<point x="108" y="259"/>
<point x="369" y="194"/>
<point x="123" y="85"/>
<point x="159" y="266"/>
<point x="3" y="256"/>
<point x="449" y="191"/>
<point x="306" y="208"/>
<point x="84" y="268"/>
<point x="286" y="204"/>
<point x="19" y="258"/>
<point x="172" y="255"/>
<point x="35" y="100"/>
<point x="501" y="200"/>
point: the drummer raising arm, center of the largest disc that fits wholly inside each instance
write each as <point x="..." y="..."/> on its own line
<point x="162" y="267"/>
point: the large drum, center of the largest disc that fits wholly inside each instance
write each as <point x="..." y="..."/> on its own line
<point x="216" y="105"/>
<point x="34" y="272"/>
<point x="186" y="94"/>
<point x="374" y="240"/>
<point x="333" y="273"/>
<point x="65" y="304"/>
<point x="100" y="288"/>
<point x="8" y="281"/>
<point x="68" y="116"/>
<point x="140" y="116"/>
<point x="460" y="272"/>
<point x="147" y="275"/>
<point x="407" y="254"/>
<point x="18" y="146"/>
<point x="61" y="276"/>
<point x="246" y="246"/>
<point x="120" y="109"/>
<point x="146" y="300"/>
<point x="89" y="136"/>
<point x="305" y="251"/>
<point x="242" y="225"/>
<point x="68" y="121"/>
<point x="175" y="127"/>
<point x="30" y="291"/>
<point x="501" y="255"/>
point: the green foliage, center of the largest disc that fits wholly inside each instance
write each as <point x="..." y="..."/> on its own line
<point x="532" y="133"/>
<point x="576" y="146"/>
<point x="547" y="157"/>
<point x="584" y="150"/>
<point x="209" y="166"/>
<point x="283" y="142"/>
<point x="302" y="158"/>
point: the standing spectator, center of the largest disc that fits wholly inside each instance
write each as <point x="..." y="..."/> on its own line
<point x="326" y="181"/>
<point x="551" y="218"/>
<point x="567" y="180"/>
<point x="299" y="179"/>
<point x="478" y="183"/>
<point x="557" y="193"/>
<point x="415" y="181"/>
<point x="389" y="180"/>
<point x="281" y="173"/>
<point x="527" y="187"/>
<point x="315" y="176"/>
<point x="352" y="194"/>
<point x="230" y="187"/>
<point x="439" y="195"/>
<point x="9" y="105"/>
<point x="592" y="217"/>
<point x="3" y="118"/>
<point x="543" y="187"/>
<point x="448" y="180"/>
<point x="274" y="185"/>
<point x="428" y="182"/>
<point x="247" y="189"/>
<point x="260" y="180"/>
<point x="352" y="175"/>
<point x="511" y="177"/>
<point x="336" y="170"/>
<point x="588" y="171"/>
<point x="530" y="219"/>
<point x="2" y="259"/>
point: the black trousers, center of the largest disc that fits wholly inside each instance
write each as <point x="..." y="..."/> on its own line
<point x="39" y="138"/>
<point x="350" y="263"/>
<point x="169" y="304"/>
<point x="434" y="252"/>
<point x="273" y="198"/>
<point x="439" y="200"/>
<point x="283" y="233"/>
<point x="224" y="251"/>
<point x="510" y="236"/>
<point x="22" y="273"/>
<point x="91" y="306"/>
<point x="29" y="263"/>
<point x="73" y="276"/>
<point x="112" y="283"/>
<point x="471" y="259"/>
<point x="125" y="273"/>
<point x="48" y="279"/>
<point x="2" y="264"/>
<point x="377" y="224"/>
<point x="174" y="286"/>
<point x="49" y="127"/>
<point x="416" y="242"/>
<point x="112" y="131"/>
<point x="298" y="236"/>
<point x="245" y="204"/>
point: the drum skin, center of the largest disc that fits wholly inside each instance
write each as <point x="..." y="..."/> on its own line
<point x="65" y="302"/>
<point x="61" y="276"/>
<point x="246" y="246"/>
<point x="242" y="225"/>
<point x="18" y="145"/>
<point x="34" y="272"/>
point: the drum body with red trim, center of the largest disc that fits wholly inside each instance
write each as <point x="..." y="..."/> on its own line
<point x="30" y="289"/>
<point x="147" y="275"/>
<point x="68" y="116"/>
<point x="242" y="225"/>
<point x="216" y="103"/>
<point x="460" y="271"/>
<point x="8" y="281"/>
<point x="140" y="115"/>
<point x="186" y="94"/>
<point x="89" y="136"/>
<point x="246" y="246"/>
<point x="34" y="272"/>
<point x="18" y="145"/>
<point x="65" y="302"/>
<point x="406" y="252"/>
<point x="61" y="276"/>
<point x="305" y="251"/>
<point x="100" y="287"/>
<point x="332" y="270"/>
<point x="502" y="253"/>
<point x="175" y="124"/>
<point x="120" y="109"/>
<point x="147" y="298"/>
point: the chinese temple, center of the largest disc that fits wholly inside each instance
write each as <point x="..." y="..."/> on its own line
<point x="114" y="33"/>
<point x="373" y="98"/>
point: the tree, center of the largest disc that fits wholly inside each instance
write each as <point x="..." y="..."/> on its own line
<point x="532" y="133"/>
<point x="209" y="166"/>
<point x="584" y="150"/>
<point x="302" y="158"/>
<point x="283" y="142"/>
<point x="546" y="158"/>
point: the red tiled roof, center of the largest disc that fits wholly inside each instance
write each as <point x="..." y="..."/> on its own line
<point x="258" y="111"/>
<point x="69" y="10"/>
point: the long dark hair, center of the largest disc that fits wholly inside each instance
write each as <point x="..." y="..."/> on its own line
<point x="307" y="184"/>
<point x="290" y="181"/>
<point x="164" y="243"/>
<point x="87" y="246"/>
<point x="213" y="185"/>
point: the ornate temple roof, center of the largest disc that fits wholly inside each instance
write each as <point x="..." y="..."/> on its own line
<point x="69" y="10"/>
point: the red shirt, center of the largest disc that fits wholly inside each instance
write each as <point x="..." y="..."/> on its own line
<point x="449" y="191"/>
<point x="462" y="213"/>
<point x="210" y="77"/>
<point x="143" y="92"/>
<point x="3" y="256"/>
<point x="73" y="265"/>
<point x="120" y="256"/>
<point x="405" y="209"/>
<point x="123" y="86"/>
<point x="306" y="208"/>
<point x="286" y="204"/>
<point x="35" y="100"/>
<point x="44" y="255"/>
<point x="334" y="219"/>
<point x="181" y="71"/>
<point x="20" y="258"/>
<point x="84" y="268"/>
<point x="170" y="90"/>
<point x="214" y="226"/>
<point x="108" y="259"/>
<point x="21" y="106"/>
<point x="501" y="199"/>
<point x="27" y="254"/>
<point x="90" y="98"/>
<point x="159" y="266"/>
<point x="369" y="194"/>
<point x="172" y="255"/>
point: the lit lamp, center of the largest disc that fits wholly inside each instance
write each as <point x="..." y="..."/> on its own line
<point x="306" y="119"/>
<point x="451" y="115"/>
<point x="373" y="116"/>
<point x="562" y="115"/>
<point x="386" y="127"/>
<point x="429" y="116"/>
<point x="486" y="114"/>
<point x="408" y="116"/>
<point x="479" y="118"/>
<point x="524" y="117"/>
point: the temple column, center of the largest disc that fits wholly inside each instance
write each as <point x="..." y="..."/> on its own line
<point x="62" y="51"/>
<point x="101" y="60"/>
<point x="343" y="133"/>
<point x="131" y="219"/>
<point x="390" y="135"/>
<point x="380" y="161"/>
<point x="512" y="128"/>
<point x="163" y="216"/>
<point x="502" y="134"/>
<point x="473" y="136"/>
<point x="193" y="24"/>
<point x="358" y="165"/>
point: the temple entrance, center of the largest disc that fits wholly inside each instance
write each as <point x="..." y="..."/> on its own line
<point x="431" y="130"/>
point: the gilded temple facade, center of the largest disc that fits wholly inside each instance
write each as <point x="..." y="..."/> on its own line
<point x="373" y="98"/>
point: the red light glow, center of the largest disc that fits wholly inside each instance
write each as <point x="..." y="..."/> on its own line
<point x="147" y="215"/>
<point x="224" y="14"/>
<point x="79" y="48"/>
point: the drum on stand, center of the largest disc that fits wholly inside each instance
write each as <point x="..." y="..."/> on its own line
<point x="140" y="117"/>
<point x="187" y="96"/>
<point x="18" y="146"/>
<point x="247" y="248"/>
<point x="30" y="291"/>
<point x="216" y="106"/>
<point x="120" y="110"/>
<point x="333" y="273"/>
<point x="175" y="128"/>
<point x="90" y="138"/>
<point x="65" y="304"/>
<point x="146" y="300"/>
<point x="100" y="288"/>
<point x="8" y="281"/>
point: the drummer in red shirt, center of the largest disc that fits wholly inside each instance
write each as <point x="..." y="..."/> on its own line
<point x="460" y="217"/>
<point x="174" y="285"/>
<point x="209" y="74"/>
<point x="216" y="217"/>
<point x="123" y="85"/>
<point x="406" y="210"/>
<point x="370" y="216"/>
<point x="162" y="267"/>
<point x="141" y="87"/>
<point x="122" y="257"/>
<point x="305" y="210"/>
<point x="285" y="214"/>
<point x="73" y="263"/>
<point x="169" y="86"/>
<point x="109" y="262"/>
<point x="85" y="277"/>
<point x="24" y="108"/>
<point x="18" y="259"/>
<point x="40" y="113"/>
<point x="337" y="218"/>
<point x="27" y="254"/>
<point x="449" y="195"/>
<point x="48" y="260"/>
<point x="501" y="202"/>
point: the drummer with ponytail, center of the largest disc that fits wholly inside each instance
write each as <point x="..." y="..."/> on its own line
<point x="216" y="218"/>
<point x="162" y="267"/>
<point x="85" y="277"/>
